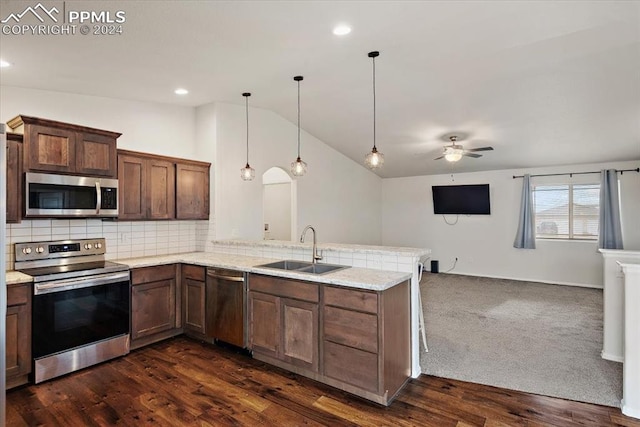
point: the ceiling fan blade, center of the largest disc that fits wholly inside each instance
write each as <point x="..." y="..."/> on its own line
<point x="438" y="158"/>
<point x="475" y="156"/>
<point x="481" y="149"/>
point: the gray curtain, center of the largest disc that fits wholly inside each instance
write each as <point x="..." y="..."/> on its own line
<point x="610" y="236"/>
<point x="526" y="235"/>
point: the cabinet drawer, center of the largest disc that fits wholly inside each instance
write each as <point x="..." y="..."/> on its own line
<point x="351" y="299"/>
<point x="153" y="274"/>
<point x="193" y="272"/>
<point x="352" y="328"/>
<point x="18" y="294"/>
<point x="350" y="365"/>
<point x="284" y="288"/>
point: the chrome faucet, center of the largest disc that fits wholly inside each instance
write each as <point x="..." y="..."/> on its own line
<point x="314" y="256"/>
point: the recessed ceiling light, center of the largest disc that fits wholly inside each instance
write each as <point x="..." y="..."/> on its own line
<point x="181" y="91"/>
<point x="4" y="63"/>
<point x="342" y="30"/>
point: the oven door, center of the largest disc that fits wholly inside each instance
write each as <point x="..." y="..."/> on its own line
<point x="78" y="312"/>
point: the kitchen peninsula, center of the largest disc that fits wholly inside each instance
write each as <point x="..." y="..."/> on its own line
<point x="357" y="313"/>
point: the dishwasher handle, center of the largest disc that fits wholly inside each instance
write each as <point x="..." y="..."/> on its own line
<point x="225" y="277"/>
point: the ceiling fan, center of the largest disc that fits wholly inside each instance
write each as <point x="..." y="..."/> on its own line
<point x="454" y="152"/>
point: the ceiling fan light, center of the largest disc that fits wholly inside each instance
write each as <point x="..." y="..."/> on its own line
<point x="453" y="156"/>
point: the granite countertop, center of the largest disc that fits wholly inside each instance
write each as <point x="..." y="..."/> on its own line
<point x="344" y="247"/>
<point x="362" y="278"/>
<point x="14" y="277"/>
<point x="355" y="277"/>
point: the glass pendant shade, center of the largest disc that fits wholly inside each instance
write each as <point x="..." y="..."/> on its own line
<point x="247" y="173"/>
<point x="298" y="168"/>
<point x="374" y="159"/>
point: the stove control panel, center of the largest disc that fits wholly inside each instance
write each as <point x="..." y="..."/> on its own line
<point x="59" y="249"/>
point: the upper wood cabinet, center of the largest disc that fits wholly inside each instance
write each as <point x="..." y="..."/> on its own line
<point x="192" y="191"/>
<point x="146" y="187"/>
<point x="51" y="146"/>
<point x="158" y="187"/>
<point x="14" y="177"/>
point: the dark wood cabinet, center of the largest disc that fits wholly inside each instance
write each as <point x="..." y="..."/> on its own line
<point x="158" y="187"/>
<point x="356" y="340"/>
<point x="146" y="187"/>
<point x="284" y="320"/>
<point x="51" y="146"/>
<point x="14" y="178"/>
<point x="155" y="304"/>
<point x="192" y="191"/>
<point x="193" y="285"/>
<point x="18" y="334"/>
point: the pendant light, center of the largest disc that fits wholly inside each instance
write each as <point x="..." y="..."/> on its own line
<point x="374" y="159"/>
<point x="298" y="168"/>
<point x="247" y="173"/>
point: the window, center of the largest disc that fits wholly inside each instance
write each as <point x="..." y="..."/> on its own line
<point x="568" y="211"/>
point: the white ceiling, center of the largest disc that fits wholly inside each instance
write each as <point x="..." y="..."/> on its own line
<point x="543" y="82"/>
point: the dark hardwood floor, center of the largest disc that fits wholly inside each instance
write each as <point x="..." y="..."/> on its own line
<point x="185" y="382"/>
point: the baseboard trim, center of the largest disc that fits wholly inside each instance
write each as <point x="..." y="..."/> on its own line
<point x="612" y="357"/>
<point x="520" y="279"/>
<point x="629" y="412"/>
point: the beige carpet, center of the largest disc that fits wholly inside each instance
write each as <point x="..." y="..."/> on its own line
<point x="533" y="337"/>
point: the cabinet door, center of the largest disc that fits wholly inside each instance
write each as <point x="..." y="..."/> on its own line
<point x="192" y="191"/>
<point x="132" y="182"/>
<point x="153" y="307"/>
<point x="265" y="329"/>
<point x="18" y="335"/>
<point x="50" y="149"/>
<point x="14" y="181"/>
<point x="161" y="189"/>
<point x="96" y="155"/>
<point x="300" y="333"/>
<point x="194" y="294"/>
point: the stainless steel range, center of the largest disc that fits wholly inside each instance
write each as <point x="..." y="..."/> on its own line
<point x="81" y="305"/>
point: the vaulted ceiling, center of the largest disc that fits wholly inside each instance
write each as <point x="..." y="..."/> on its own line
<point x="543" y="82"/>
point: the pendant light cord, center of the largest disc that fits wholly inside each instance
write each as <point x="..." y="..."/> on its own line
<point x="246" y="98"/>
<point x="298" y="118"/>
<point x="373" y="58"/>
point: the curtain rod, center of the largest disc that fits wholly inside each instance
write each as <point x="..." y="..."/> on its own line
<point x="576" y="173"/>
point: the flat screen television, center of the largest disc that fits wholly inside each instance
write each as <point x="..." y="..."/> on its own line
<point x="461" y="199"/>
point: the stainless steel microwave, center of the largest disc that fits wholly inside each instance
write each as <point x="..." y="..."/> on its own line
<point x="49" y="195"/>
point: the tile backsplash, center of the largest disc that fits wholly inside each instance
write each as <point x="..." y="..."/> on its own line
<point x="124" y="239"/>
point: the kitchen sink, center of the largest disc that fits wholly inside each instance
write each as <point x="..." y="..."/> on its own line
<point x="287" y="265"/>
<point x="303" y="267"/>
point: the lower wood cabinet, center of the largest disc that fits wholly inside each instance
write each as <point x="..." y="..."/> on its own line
<point x="194" y="291"/>
<point x="18" y="334"/>
<point x="356" y="340"/>
<point x="156" y="311"/>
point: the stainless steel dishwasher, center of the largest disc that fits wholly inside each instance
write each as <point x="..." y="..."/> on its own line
<point x="226" y="306"/>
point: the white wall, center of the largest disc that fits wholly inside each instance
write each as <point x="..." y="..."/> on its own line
<point x="339" y="197"/>
<point x="277" y="210"/>
<point x="149" y="127"/>
<point x="484" y="244"/>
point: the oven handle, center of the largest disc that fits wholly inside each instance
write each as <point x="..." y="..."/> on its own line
<point x="79" y="283"/>
<point x="98" y="197"/>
